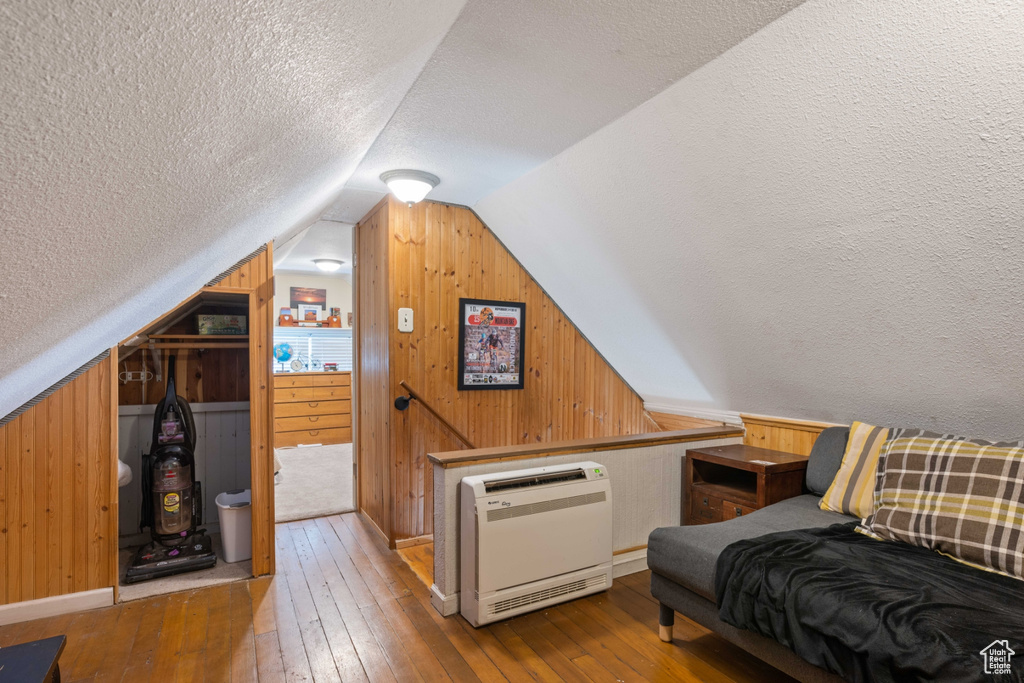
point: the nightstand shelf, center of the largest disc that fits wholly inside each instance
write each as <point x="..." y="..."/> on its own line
<point x="732" y="481"/>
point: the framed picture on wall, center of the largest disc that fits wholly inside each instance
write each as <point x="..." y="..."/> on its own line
<point x="491" y="344"/>
<point x="308" y="296"/>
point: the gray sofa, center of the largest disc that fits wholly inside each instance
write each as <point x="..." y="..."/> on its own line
<point x="682" y="559"/>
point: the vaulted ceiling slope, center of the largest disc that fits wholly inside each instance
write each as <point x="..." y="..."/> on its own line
<point x="147" y="147"/>
<point x="515" y="83"/>
<point x="824" y="222"/>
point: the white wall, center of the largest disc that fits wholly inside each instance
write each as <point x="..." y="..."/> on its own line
<point x="339" y="291"/>
<point x="223" y="459"/>
<point x="824" y="222"/>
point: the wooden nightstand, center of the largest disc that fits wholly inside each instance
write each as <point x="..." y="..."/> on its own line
<point x="730" y="481"/>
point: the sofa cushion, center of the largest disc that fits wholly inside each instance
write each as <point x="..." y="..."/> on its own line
<point x="687" y="554"/>
<point x="961" y="497"/>
<point x="852" y="490"/>
<point x="825" y="459"/>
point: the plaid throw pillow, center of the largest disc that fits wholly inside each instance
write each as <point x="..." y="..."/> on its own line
<point x="852" y="490"/>
<point x="961" y="497"/>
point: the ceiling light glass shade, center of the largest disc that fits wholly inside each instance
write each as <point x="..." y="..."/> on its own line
<point x="409" y="186"/>
<point x="328" y="265"/>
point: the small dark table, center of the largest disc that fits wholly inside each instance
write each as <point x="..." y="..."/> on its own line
<point x="34" y="662"/>
<point x="729" y="481"/>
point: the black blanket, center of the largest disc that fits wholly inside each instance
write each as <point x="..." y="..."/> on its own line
<point x="872" y="610"/>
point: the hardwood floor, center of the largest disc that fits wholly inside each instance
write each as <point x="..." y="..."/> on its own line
<point x="344" y="607"/>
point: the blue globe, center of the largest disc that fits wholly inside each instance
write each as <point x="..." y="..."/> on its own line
<point x="283" y="352"/>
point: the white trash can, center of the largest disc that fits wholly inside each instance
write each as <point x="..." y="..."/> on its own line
<point x="234" y="508"/>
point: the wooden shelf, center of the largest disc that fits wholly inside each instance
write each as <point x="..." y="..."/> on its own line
<point x="198" y="345"/>
<point x="205" y="337"/>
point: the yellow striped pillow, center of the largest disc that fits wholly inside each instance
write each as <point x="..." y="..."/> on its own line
<point x="852" y="491"/>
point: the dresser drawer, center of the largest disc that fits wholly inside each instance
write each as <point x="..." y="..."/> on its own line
<point x="291" y="424"/>
<point x="313" y="436"/>
<point x="704" y="509"/>
<point x="312" y="408"/>
<point x="732" y="510"/>
<point x="289" y="381"/>
<point x="332" y="379"/>
<point x="332" y="393"/>
<point x="293" y="394"/>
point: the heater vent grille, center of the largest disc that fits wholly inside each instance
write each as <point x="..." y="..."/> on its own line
<point x="540" y="596"/>
<point x="545" y="506"/>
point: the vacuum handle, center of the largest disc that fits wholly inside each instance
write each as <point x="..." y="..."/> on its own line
<point x="197" y="504"/>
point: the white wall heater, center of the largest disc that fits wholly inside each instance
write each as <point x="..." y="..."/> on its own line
<point x="533" y="538"/>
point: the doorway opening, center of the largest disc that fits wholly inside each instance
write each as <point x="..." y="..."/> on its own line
<point x="313" y="400"/>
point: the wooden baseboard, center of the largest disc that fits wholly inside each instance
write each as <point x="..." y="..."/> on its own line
<point x="58" y="604"/>
<point x="409" y="542"/>
<point x="373" y="525"/>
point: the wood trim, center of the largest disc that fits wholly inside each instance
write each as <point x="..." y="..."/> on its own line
<point x="410" y="542"/>
<point x="114" y="494"/>
<point x="630" y="550"/>
<point x="787" y="423"/>
<point x="607" y="443"/>
<point x="373" y="525"/>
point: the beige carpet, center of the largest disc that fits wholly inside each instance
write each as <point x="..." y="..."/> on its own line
<point x="222" y="573"/>
<point x="314" y="481"/>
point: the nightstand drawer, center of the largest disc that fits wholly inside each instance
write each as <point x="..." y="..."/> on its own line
<point x="732" y="510"/>
<point x="704" y="509"/>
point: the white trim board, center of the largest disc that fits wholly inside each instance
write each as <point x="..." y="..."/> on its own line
<point x="727" y="416"/>
<point x="58" y="604"/>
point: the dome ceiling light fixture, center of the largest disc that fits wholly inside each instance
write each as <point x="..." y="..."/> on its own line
<point x="328" y="265"/>
<point x="409" y="186"/>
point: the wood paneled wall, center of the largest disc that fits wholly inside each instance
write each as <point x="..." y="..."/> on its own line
<point x="781" y="434"/>
<point x="255" y="277"/>
<point x="201" y="376"/>
<point x="372" y="409"/>
<point x="58" y="492"/>
<point x="430" y="256"/>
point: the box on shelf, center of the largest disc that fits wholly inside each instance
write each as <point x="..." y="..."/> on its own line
<point x="208" y="323"/>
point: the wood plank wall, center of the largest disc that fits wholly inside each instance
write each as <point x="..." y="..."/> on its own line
<point x="436" y="254"/>
<point x="58" y="492"/>
<point x="201" y="376"/>
<point x="782" y="434"/>
<point x="372" y="409"/>
<point x="256" y="278"/>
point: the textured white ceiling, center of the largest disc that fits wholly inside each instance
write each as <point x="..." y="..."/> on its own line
<point x="146" y="147"/>
<point x="515" y="83"/>
<point x="323" y="239"/>
<point x="824" y="222"/>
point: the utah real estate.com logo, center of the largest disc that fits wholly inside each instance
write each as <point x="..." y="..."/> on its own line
<point x="997" y="657"/>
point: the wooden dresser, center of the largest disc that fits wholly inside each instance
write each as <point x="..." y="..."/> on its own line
<point x="725" y="482"/>
<point x="312" y="407"/>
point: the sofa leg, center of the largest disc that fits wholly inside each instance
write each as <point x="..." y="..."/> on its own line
<point x="666" y="618"/>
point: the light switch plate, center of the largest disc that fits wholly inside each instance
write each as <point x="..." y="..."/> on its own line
<point x="405" y="320"/>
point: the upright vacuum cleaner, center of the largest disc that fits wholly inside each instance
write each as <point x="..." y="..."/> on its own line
<point x="172" y="500"/>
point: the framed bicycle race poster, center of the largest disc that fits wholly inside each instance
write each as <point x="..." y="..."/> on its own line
<point x="491" y="343"/>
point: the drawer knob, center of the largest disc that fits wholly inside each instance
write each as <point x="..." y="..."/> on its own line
<point x="705" y="501"/>
<point x="738" y="512"/>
